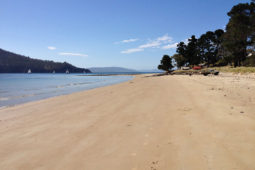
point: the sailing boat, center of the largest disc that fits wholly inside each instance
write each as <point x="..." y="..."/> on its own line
<point x="67" y="71"/>
<point x="53" y="72"/>
<point x="29" y="71"/>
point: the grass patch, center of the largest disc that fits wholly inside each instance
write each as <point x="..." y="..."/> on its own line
<point x="227" y="69"/>
<point x="187" y="71"/>
<point x="236" y="70"/>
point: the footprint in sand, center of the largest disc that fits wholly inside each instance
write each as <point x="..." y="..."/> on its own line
<point x="154" y="165"/>
<point x="186" y="109"/>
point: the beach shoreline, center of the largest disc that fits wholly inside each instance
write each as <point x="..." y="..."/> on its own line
<point x="150" y="122"/>
<point x="19" y="89"/>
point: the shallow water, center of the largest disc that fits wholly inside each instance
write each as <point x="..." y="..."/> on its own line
<point x="22" y="88"/>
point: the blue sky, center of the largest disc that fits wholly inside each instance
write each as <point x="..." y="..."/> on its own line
<point x="89" y="33"/>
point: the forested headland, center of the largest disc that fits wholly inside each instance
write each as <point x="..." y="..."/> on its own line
<point x="15" y="63"/>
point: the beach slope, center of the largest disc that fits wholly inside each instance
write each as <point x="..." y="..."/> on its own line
<point x="149" y="123"/>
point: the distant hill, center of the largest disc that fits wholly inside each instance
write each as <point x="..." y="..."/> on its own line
<point x="152" y="71"/>
<point x="110" y="70"/>
<point x="15" y="63"/>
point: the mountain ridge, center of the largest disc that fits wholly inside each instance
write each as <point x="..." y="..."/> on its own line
<point x="111" y="69"/>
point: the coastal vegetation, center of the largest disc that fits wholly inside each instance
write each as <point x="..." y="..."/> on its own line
<point x="236" y="69"/>
<point x="166" y="63"/>
<point x="234" y="46"/>
<point x="15" y="63"/>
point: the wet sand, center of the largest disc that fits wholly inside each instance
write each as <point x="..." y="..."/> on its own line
<point x="149" y="123"/>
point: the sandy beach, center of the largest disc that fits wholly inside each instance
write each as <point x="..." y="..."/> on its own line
<point x="149" y="123"/>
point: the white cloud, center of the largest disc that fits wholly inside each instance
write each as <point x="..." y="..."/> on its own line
<point x="73" y="54"/>
<point x="130" y="40"/>
<point x="170" y="46"/>
<point x="127" y="41"/>
<point x="224" y="27"/>
<point x="152" y="44"/>
<point x="156" y="43"/>
<point x="132" y="50"/>
<point x="164" y="38"/>
<point x="186" y="41"/>
<point x="52" y="48"/>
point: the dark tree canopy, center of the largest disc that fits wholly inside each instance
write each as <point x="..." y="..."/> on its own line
<point x="209" y="45"/>
<point x="240" y="32"/>
<point x="192" y="51"/>
<point x="202" y="50"/>
<point x="189" y="51"/>
<point x="180" y="60"/>
<point x="165" y="64"/>
<point x="235" y="46"/>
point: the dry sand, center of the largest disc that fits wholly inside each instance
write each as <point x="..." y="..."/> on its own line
<point x="149" y="123"/>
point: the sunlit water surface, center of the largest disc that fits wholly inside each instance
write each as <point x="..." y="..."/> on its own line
<point x="22" y="88"/>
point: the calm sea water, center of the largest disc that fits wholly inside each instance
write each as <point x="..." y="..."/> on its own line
<point x="22" y="88"/>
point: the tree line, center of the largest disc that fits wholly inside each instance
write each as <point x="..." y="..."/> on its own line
<point x="235" y="46"/>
